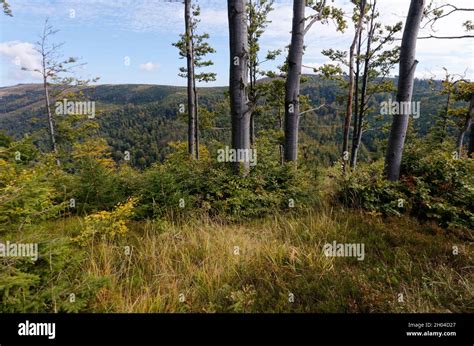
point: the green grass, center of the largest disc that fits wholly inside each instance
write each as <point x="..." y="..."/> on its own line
<point x="193" y="266"/>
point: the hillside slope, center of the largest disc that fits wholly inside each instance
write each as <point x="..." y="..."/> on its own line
<point x="143" y="119"/>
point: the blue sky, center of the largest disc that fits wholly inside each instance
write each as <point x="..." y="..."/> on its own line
<point x="104" y="32"/>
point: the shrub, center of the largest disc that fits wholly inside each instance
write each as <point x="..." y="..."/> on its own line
<point x="182" y="186"/>
<point x="440" y="186"/>
<point x="433" y="186"/>
<point x="97" y="184"/>
<point x="56" y="282"/>
<point x="26" y="195"/>
<point x="107" y="225"/>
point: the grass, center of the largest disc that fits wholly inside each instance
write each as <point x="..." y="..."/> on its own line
<point x="274" y="264"/>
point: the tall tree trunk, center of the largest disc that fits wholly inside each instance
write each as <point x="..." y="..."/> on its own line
<point x="396" y="141"/>
<point x="253" y="100"/>
<point x="196" y="120"/>
<point x="238" y="79"/>
<point x="292" y="85"/>
<point x="467" y="125"/>
<point x="356" y="102"/>
<point x="280" y="146"/>
<point x="350" y="96"/>
<point x="253" y="79"/>
<point x="252" y="129"/>
<point x="52" y="134"/>
<point x="191" y="79"/>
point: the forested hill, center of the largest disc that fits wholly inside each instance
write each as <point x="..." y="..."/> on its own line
<point x="143" y="119"/>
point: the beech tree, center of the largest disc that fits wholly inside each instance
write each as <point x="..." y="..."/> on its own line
<point x="194" y="48"/>
<point x="238" y="80"/>
<point x="300" y="26"/>
<point x="292" y="85"/>
<point x="406" y="75"/>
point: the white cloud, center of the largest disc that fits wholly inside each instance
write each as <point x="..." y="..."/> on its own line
<point x="16" y="55"/>
<point x="433" y="54"/>
<point x="149" y="66"/>
<point x="166" y="17"/>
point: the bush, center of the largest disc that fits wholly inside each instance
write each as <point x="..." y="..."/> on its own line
<point x="105" y="224"/>
<point x="440" y="186"/>
<point x="182" y="186"/>
<point x="97" y="183"/>
<point x="26" y="195"/>
<point x="433" y="186"/>
<point x="56" y="282"/>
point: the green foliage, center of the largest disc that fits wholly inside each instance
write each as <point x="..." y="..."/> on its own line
<point x="326" y="12"/>
<point x="22" y="152"/>
<point x="26" y="195"/>
<point x="180" y="186"/>
<point x="106" y="225"/>
<point x="56" y="282"/>
<point x="368" y="189"/>
<point x="143" y="119"/>
<point x="440" y="185"/>
<point x="200" y="49"/>
<point x="434" y="185"/>
<point x="182" y="219"/>
<point x="97" y="183"/>
<point x="452" y="116"/>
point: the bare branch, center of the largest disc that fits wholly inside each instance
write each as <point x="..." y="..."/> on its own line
<point x="445" y="37"/>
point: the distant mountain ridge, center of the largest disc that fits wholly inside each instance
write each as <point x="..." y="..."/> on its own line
<point x="144" y="118"/>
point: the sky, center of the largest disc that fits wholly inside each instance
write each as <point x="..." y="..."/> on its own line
<point x="129" y="41"/>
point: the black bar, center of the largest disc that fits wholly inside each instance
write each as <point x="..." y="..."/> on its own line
<point x="259" y="329"/>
